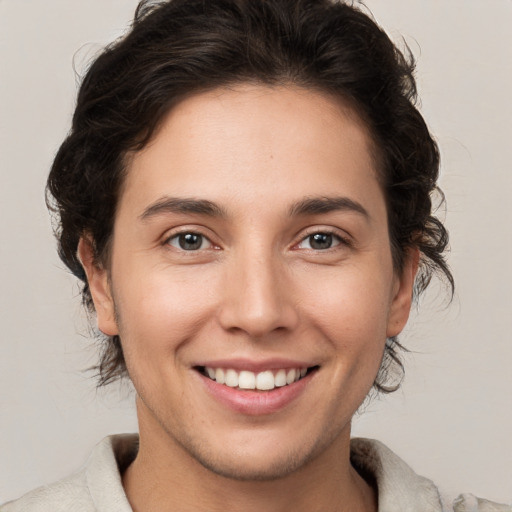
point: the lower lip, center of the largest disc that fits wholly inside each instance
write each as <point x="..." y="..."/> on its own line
<point x="255" y="403"/>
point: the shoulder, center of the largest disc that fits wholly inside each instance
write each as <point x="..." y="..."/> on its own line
<point x="470" y="503"/>
<point x="96" y="488"/>
<point x="68" y="494"/>
<point x="400" y="488"/>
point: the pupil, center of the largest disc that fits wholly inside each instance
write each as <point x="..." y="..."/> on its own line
<point x="190" y="241"/>
<point x="321" y="241"/>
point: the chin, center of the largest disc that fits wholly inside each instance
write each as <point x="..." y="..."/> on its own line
<point x="245" y="467"/>
<point x="251" y="460"/>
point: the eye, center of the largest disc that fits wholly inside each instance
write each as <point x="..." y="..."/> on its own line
<point x="189" y="241"/>
<point x="320" y="241"/>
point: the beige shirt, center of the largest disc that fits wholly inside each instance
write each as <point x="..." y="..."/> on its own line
<point x="98" y="487"/>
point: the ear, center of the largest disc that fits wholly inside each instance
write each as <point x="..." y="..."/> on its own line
<point x="402" y="293"/>
<point x="99" y="286"/>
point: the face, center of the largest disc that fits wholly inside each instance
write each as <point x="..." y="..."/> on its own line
<point x="251" y="279"/>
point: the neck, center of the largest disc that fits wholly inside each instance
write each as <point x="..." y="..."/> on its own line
<point x="165" y="477"/>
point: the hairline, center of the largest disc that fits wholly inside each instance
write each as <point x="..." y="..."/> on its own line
<point x="347" y="105"/>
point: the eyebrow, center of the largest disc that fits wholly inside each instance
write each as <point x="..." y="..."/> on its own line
<point x="319" y="205"/>
<point x="182" y="205"/>
<point x="307" y="206"/>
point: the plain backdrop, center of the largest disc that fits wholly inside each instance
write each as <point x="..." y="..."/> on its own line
<point x="452" y="419"/>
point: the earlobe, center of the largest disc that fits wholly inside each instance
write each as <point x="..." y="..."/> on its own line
<point x="403" y="294"/>
<point x="99" y="286"/>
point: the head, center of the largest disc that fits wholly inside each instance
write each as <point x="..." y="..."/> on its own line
<point x="182" y="49"/>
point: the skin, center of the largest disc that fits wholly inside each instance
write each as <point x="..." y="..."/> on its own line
<point x="257" y="288"/>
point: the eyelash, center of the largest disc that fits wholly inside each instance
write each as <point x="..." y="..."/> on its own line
<point x="342" y="240"/>
<point x="329" y="232"/>
<point x="176" y="236"/>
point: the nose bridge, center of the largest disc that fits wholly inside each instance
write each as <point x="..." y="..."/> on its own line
<point x="256" y="297"/>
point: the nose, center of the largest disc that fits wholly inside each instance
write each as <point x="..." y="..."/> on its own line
<point x="258" y="297"/>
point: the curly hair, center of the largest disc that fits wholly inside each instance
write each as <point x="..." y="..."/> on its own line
<point x="177" y="48"/>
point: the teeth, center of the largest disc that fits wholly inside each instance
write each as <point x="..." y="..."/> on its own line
<point x="246" y="380"/>
<point x="231" y="379"/>
<point x="263" y="381"/>
<point x="220" y="376"/>
<point x="280" y="378"/>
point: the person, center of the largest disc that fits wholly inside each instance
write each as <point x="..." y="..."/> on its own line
<point x="245" y="194"/>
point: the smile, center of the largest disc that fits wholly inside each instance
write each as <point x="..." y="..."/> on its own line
<point x="262" y="381"/>
<point x="256" y="388"/>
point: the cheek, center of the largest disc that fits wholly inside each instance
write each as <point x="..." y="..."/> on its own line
<point x="160" y="309"/>
<point x="350" y="310"/>
<point x="351" y="304"/>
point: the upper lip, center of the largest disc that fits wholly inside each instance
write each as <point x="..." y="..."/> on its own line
<point x="255" y="366"/>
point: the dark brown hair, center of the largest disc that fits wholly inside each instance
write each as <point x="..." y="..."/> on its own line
<point x="180" y="47"/>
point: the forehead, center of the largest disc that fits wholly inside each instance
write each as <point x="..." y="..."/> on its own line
<point x="252" y="143"/>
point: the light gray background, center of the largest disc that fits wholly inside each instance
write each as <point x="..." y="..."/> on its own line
<point x="452" y="419"/>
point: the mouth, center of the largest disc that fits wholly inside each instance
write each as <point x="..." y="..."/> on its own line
<point x="266" y="380"/>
